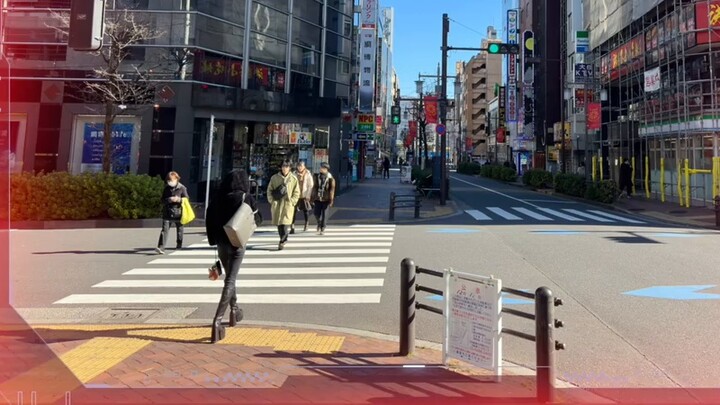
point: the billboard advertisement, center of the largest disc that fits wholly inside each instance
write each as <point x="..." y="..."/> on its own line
<point x="512" y="38"/>
<point x="368" y="51"/>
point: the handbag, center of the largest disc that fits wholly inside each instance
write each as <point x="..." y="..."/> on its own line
<point x="188" y="215"/>
<point x="279" y="192"/>
<point x="241" y="226"/>
<point x="215" y="271"/>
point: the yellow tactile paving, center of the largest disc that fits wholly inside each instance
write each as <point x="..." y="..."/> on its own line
<point x="278" y="339"/>
<point x="91" y="359"/>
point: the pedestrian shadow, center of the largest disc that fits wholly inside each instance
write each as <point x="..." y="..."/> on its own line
<point x="140" y="251"/>
<point x="170" y="334"/>
<point x="398" y="384"/>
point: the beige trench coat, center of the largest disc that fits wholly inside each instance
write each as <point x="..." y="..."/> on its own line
<point x="282" y="210"/>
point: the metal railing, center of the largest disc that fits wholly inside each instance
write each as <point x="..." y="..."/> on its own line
<point x="545" y="323"/>
<point x="404" y="201"/>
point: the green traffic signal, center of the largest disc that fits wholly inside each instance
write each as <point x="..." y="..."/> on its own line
<point x="494" y="48"/>
<point x="396" y="119"/>
<point x="501" y="48"/>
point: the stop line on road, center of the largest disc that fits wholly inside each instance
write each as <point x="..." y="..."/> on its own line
<point x="347" y="265"/>
<point x="525" y="214"/>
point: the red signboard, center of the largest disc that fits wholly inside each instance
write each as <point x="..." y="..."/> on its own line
<point x="500" y="135"/>
<point x="594" y="116"/>
<point x="412" y="128"/>
<point x="707" y="16"/>
<point x="431" y="110"/>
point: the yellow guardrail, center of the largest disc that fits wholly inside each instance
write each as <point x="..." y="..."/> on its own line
<point x="680" y="189"/>
<point x="685" y="171"/>
<point x="594" y="168"/>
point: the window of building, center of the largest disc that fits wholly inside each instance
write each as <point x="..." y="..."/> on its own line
<point x="305" y="60"/>
<point x="268" y="50"/>
<point x="266" y="78"/>
<point x="306" y="34"/>
<point x="233" y="11"/>
<point x="281" y="5"/>
<point x="267" y="21"/>
<point x="37" y="52"/>
<point x="304" y="85"/>
<point x="309" y="10"/>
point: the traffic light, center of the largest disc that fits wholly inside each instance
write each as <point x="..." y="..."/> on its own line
<point x="87" y="23"/>
<point x="395" y="112"/>
<point x="498" y="48"/>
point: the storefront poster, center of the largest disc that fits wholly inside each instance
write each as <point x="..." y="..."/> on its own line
<point x="594" y="116"/>
<point x="652" y="80"/>
<point x="120" y="147"/>
<point x="707" y="15"/>
<point x="300" y="138"/>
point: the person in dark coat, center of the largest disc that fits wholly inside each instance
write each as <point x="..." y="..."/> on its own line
<point x="234" y="189"/>
<point x="386" y="168"/>
<point x="626" y="178"/>
<point x="172" y="211"/>
<point x="323" y="196"/>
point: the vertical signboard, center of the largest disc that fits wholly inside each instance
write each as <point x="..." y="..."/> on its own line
<point x="431" y="110"/>
<point x="368" y="42"/>
<point x="512" y="38"/>
<point x="582" y="42"/>
<point x="368" y="18"/>
<point x="594" y="116"/>
<point x="502" y="109"/>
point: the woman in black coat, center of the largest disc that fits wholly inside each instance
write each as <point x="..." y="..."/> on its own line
<point x="172" y="197"/>
<point x="234" y="189"/>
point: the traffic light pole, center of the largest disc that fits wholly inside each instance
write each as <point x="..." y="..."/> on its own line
<point x="444" y="184"/>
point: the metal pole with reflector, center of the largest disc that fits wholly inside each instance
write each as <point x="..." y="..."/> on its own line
<point x="87" y="25"/>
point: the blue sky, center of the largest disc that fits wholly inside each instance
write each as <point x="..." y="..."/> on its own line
<point x="418" y="29"/>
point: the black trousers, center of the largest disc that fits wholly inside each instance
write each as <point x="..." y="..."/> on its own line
<point x="320" y="213"/>
<point x="283" y="231"/>
<point x="386" y="173"/>
<point x="300" y="207"/>
<point x="165" y="233"/>
<point x="231" y="259"/>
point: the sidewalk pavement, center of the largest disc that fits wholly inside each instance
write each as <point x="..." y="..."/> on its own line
<point x="668" y="211"/>
<point x="114" y="363"/>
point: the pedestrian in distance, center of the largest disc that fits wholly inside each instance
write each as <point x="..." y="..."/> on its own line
<point x="626" y="179"/>
<point x="323" y="196"/>
<point x="172" y="196"/>
<point x="304" y="204"/>
<point x="386" y="168"/>
<point x="283" y="194"/>
<point x="234" y="190"/>
<point x="581" y="169"/>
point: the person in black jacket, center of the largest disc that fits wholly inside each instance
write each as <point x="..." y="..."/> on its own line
<point x="234" y="189"/>
<point x="172" y="211"/>
<point x="626" y="180"/>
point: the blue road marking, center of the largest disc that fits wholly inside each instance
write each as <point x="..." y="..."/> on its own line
<point x="558" y="232"/>
<point x="453" y="231"/>
<point x="505" y="300"/>
<point x="674" y="235"/>
<point x="676" y="292"/>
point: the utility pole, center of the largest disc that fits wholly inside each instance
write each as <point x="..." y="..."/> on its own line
<point x="443" y="111"/>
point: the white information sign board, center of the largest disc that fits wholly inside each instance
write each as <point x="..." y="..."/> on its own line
<point x="474" y="320"/>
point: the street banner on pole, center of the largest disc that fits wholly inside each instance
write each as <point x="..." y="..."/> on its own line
<point x="512" y="38"/>
<point x="594" y="116"/>
<point x="431" y="110"/>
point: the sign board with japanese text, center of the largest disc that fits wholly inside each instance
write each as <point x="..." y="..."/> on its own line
<point x="368" y="16"/>
<point x="474" y="316"/>
<point x="582" y="41"/>
<point x="652" y="80"/>
<point x="366" y="123"/>
<point x="512" y="38"/>
<point x="583" y="72"/>
<point x="368" y="51"/>
<point x="501" y="107"/>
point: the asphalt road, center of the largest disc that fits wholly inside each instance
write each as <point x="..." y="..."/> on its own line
<point x="587" y="255"/>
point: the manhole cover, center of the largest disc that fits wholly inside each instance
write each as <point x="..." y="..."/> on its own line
<point x="678" y="212"/>
<point x="130" y="315"/>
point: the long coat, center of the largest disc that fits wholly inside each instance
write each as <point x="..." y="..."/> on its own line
<point x="282" y="210"/>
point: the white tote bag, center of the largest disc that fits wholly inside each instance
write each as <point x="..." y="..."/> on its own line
<point x="241" y="226"/>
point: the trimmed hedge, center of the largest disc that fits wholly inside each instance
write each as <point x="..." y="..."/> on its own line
<point x="63" y="196"/>
<point x="605" y="191"/>
<point x="470" y="168"/>
<point x="537" y="178"/>
<point x="570" y="184"/>
<point x="501" y="173"/>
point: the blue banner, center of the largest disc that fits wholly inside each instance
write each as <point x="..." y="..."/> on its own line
<point x="120" y="147"/>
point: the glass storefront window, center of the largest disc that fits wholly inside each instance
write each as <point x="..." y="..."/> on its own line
<point x="268" y="21"/>
<point x="306" y="34"/>
<point x="268" y="50"/>
<point x="214" y="34"/>
<point x="213" y="68"/>
<point x="305" y="60"/>
<point x="266" y="78"/>
<point x="281" y="5"/>
<point x="309" y="10"/>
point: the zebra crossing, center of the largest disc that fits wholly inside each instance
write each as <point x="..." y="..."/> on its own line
<point x="541" y="214"/>
<point x="347" y="265"/>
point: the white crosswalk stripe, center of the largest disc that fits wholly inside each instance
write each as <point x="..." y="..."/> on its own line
<point x="347" y="265"/>
<point x="541" y="214"/>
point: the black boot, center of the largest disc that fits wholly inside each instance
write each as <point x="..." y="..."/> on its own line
<point x="218" y="331"/>
<point x="306" y="226"/>
<point x="236" y="315"/>
<point x="292" y="230"/>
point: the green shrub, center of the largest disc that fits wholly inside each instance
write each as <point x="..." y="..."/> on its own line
<point x="63" y="196"/>
<point x="537" y="178"/>
<point x="605" y="191"/>
<point x="570" y="184"/>
<point x="498" y="173"/>
<point x="422" y="177"/>
<point x="470" y="168"/>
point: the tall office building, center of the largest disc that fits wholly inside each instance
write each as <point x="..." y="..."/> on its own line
<point x="274" y="73"/>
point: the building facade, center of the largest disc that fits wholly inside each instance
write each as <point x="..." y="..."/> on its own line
<point x="274" y="74"/>
<point x="656" y="68"/>
<point x="480" y="76"/>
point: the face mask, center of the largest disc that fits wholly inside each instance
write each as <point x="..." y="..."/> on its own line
<point x="172" y="183"/>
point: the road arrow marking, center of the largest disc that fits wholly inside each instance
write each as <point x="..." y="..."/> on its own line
<point x="676" y="292"/>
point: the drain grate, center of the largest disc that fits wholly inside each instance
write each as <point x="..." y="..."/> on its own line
<point x="128" y="315"/>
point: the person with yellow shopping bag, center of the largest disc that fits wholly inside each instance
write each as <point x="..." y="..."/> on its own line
<point x="172" y="213"/>
<point x="188" y="215"/>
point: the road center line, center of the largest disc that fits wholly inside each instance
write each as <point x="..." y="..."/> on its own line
<point x="495" y="192"/>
